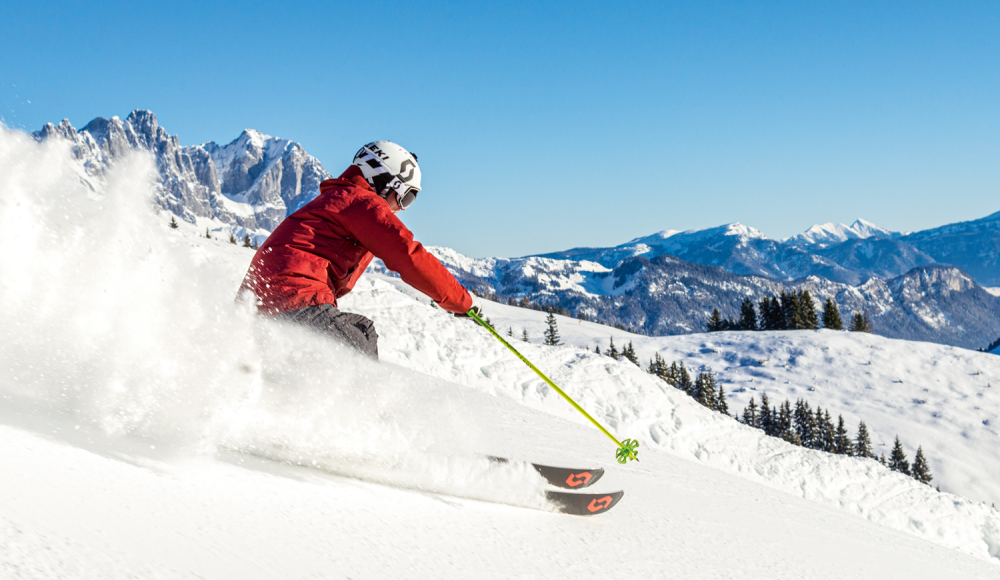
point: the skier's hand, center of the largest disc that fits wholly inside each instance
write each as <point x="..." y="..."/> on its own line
<point x="477" y="307"/>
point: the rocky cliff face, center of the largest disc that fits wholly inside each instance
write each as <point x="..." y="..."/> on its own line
<point x="252" y="183"/>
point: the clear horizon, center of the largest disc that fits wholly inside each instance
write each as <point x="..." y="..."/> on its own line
<point x="546" y="127"/>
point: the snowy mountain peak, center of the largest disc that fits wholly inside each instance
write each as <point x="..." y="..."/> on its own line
<point x="866" y="229"/>
<point x="657" y="236"/>
<point x="824" y="235"/>
<point x="251" y="184"/>
<point x="252" y="137"/>
<point x="738" y="229"/>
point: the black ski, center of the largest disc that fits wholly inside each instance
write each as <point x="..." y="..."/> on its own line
<point x="564" y="477"/>
<point x="583" y="504"/>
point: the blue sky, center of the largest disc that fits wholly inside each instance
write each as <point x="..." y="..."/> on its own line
<point x="542" y="126"/>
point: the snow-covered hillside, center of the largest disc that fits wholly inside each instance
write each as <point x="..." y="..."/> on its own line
<point x="137" y="399"/>
<point x="942" y="398"/>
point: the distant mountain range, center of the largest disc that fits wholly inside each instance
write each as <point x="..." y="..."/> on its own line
<point x="850" y="255"/>
<point x="923" y="285"/>
<point x="666" y="295"/>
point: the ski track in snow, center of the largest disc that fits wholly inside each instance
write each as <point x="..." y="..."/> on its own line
<point x="137" y="399"/>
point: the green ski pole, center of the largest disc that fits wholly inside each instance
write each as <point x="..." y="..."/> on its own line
<point x="626" y="449"/>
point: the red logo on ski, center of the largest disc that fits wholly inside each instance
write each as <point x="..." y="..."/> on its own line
<point x="576" y="479"/>
<point x="597" y="505"/>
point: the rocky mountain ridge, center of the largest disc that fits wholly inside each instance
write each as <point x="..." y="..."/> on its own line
<point x="252" y="183"/>
<point x="665" y="295"/>
<point x="849" y="255"/>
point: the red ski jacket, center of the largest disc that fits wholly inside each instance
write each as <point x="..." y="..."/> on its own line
<point x="317" y="254"/>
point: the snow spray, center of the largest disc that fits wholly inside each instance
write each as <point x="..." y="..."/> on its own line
<point x="119" y="334"/>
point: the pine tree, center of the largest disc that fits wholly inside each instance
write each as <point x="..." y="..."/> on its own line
<point x="802" y="420"/>
<point x="597" y="349"/>
<point x="684" y="382"/>
<point x="524" y="334"/>
<point x="552" y="333"/>
<point x="921" y="471"/>
<point x="657" y="366"/>
<point x="785" y="426"/>
<point x="897" y="459"/>
<point x="673" y="374"/>
<point x="173" y="223"/>
<point x="863" y="443"/>
<point x="704" y="390"/>
<point x="776" y="315"/>
<point x="510" y="331"/>
<point x="831" y="315"/>
<point x="232" y="238"/>
<point x="750" y="417"/>
<point x="804" y="423"/>
<point x="662" y="370"/>
<point x="246" y="241"/>
<point x="721" y="405"/>
<point x="748" y="315"/>
<point x="790" y="310"/>
<point x="629" y="353"/>
<point x="254" y="245"/>
<point x="766" y="416"/>
<point x="715" y="323"/>
<point x="612" y="351"/>
<point x="861" y="323"/>
<point x="842" y="441"/>
<point x="524" y="303"/>
<point x="807" y="310"/>
<point x="827" y="435"/>
<point x="764" y="308"/>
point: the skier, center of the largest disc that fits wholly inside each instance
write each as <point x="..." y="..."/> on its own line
<point x="317" y="254"/>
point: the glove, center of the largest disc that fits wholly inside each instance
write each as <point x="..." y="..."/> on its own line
<point x="477" y="307"/>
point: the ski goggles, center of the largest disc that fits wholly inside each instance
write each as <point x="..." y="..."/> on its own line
<point x="405" y="194"/>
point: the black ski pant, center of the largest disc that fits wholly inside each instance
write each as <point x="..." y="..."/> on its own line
<point x="351" y="329"/>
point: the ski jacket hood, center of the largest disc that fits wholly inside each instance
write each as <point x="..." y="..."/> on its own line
<point x="317" y="254"/>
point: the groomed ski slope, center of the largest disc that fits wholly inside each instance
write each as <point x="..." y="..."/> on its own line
<point x="137" y="398"/>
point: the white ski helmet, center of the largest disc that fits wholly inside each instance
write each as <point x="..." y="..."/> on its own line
<point x="389" y="168"/>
